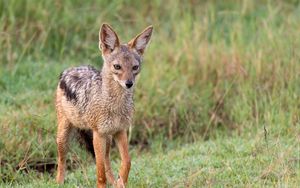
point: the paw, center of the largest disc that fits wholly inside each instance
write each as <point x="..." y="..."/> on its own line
<point x="120" y="183"/>
<point x="59" y="180"/>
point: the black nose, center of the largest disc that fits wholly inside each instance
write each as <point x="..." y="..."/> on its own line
<point x="128" y="83"/>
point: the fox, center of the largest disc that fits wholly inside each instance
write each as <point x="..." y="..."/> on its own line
<point x="98" y="104"/>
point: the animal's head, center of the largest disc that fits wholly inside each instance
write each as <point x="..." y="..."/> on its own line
<point x="122" y="61"/>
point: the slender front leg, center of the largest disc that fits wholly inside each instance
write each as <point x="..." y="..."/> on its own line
<point x="109" y="174"/>
<point x="99" y="142"/>
<point x="122" y="143"/>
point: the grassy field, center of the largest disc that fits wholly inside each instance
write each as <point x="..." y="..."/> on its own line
<point x="234" y="162"/>
<point x="217" y="102"/>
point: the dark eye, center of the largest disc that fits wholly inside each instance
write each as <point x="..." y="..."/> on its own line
<point x="117" y="66"/>
<point x="135" y="67"/>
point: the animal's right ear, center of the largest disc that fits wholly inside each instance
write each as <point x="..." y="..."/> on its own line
<point x="108" y="39"/>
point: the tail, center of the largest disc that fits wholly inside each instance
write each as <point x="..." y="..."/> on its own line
<point x="85" y="139"/>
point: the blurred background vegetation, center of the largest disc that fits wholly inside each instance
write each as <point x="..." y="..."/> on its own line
<point x="214" y="69"/>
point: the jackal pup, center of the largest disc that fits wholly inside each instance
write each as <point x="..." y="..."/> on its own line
<point x="98" y="104"/>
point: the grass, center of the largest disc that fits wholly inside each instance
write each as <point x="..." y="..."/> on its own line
<point x="234" y="162"/>
<point x="214" y="73"/>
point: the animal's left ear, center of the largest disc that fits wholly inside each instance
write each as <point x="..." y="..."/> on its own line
<point x="140" y="42"/>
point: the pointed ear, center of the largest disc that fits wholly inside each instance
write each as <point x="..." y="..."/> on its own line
<point x="108" y="39"/>
<point x="140" y="42"/>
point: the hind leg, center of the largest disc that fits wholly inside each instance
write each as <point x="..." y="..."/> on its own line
<point x="108" y="170"/>
<point x="63" y="132"/>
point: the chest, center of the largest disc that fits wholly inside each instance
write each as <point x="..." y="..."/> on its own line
<point x="111" y="121"/>
<point x="113" y="114"/>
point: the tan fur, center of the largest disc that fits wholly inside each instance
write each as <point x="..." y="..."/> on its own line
<point x="109" y="108"/>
